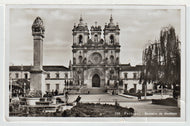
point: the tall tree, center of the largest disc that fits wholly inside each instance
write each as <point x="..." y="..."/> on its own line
<point x="162" y="60"/>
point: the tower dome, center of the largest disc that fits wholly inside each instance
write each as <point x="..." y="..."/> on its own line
<point x="81" y="26"/>
<point x="111" y="24"/>
<point x="81" y="23"/>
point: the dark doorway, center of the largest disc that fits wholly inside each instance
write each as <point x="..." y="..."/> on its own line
<point x="95" y="81"/>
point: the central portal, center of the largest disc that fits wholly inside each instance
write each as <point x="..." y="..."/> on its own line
<point x="96" y="81"/>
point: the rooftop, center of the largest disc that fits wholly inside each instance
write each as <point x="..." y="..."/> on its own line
<point x="128" y="67"/>
<point x="45" y="68"/>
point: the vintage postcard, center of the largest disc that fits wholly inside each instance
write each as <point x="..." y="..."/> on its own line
<point x="75" y="62"/>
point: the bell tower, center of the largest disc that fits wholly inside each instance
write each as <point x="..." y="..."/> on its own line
<point x="80" y="39"/>
<point x="111" y="33"/>
<point x="80" y="33"/>
<point x="111" y="38"/>
<point x="37" y="74"/>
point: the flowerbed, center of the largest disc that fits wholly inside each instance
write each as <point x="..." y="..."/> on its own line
<point x="167" y="101"/>
<point x="98" y="110"/>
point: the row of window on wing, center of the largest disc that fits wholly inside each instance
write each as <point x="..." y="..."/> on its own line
<point x="57" y="86"/>
<point x="17" y="75"/>
<point x="48" y="87"/>
<point x="96" y="39"/>
<point x="126" y="76"/>
<point x="57" y="75"/>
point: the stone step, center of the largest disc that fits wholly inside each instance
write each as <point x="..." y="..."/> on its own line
<point x="93" y="90"/>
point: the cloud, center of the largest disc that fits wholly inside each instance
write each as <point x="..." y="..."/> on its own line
<point x="138" y="26"/>
<point x="131" y="29"/>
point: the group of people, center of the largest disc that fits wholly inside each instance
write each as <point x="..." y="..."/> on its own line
<point x="52" y="93"/>
<point x="55" y="93"/>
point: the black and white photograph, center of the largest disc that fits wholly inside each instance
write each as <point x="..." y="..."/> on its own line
<point x="95" y="61"/>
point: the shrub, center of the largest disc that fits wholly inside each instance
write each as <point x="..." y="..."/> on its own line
<point x="167" y="101"/>
<point x="132" y="90"/>
<point x="131" y="110"/>
<point x="35" y="93"/>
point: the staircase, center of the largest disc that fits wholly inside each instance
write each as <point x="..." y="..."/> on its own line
<point x="97" y="90"/>
<point x="93" y="90"/>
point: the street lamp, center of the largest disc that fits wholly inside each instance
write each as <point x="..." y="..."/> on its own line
<point x="11" y="81"/>
<point x="24" y="89"/>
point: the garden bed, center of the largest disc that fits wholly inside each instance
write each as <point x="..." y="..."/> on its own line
<point x="167" y="101"/>
<point x="80" y="110"/>
<point x="98" y="110"/>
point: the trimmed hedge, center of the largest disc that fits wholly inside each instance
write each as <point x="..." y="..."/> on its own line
<point x="167" y="101"/>
<point x="136" y="94"/>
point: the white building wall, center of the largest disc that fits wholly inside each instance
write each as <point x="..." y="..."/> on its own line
<point x="130" y="84"/>
<point x="52" y="80"/>
<point x="130" y="74"/>
<point x="53" y="83"/>
<point x="130" y="81"/>
<point x="12" y="74"/>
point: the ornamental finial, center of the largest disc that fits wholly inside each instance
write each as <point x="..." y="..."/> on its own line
<point x="38" y="27"/>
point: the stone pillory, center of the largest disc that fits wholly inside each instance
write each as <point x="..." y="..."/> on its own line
<point x="37" y="73"/>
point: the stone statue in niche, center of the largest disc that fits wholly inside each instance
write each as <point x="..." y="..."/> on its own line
<point x="84" y="61"/>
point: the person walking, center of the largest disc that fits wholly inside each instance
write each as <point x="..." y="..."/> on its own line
<point x="139" y="95"/>
<point x="78" y="99"/>
<point x="53" y="92"/>
<point x="56" y="92"/>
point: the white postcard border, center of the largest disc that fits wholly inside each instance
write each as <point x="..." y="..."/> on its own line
<point x="149" y="119"/>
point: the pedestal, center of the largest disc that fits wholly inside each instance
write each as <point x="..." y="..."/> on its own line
<point x="37" y="82"/>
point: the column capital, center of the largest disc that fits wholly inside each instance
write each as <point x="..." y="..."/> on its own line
<point x="38" y="28"/>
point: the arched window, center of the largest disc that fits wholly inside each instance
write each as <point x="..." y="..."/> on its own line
<point x="80" y="59"/>
<point x="112" y="59"/>
<point x="80" y="39"/>
<point x="111" y="39"/>
<point x="95" y="38"/>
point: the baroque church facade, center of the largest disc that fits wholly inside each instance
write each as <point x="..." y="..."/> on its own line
<point x="95" y="59"/>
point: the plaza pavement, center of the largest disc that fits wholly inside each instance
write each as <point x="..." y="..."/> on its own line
<point x="142" y="108"/>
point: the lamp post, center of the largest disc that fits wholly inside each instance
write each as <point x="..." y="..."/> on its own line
<point x="67" y="84"/>
<point x="11" y="87"/>
<point x="24" y="89"/>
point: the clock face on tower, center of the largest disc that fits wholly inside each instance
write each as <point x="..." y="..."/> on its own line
<point x="96" y="58"/>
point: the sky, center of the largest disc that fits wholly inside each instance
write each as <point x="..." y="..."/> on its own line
<point x="138" y="27"/>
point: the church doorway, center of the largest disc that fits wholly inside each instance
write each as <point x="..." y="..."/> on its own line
<point x="96" y="81"/>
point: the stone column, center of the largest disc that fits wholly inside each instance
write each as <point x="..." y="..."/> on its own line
<point x="37" y="81"/>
